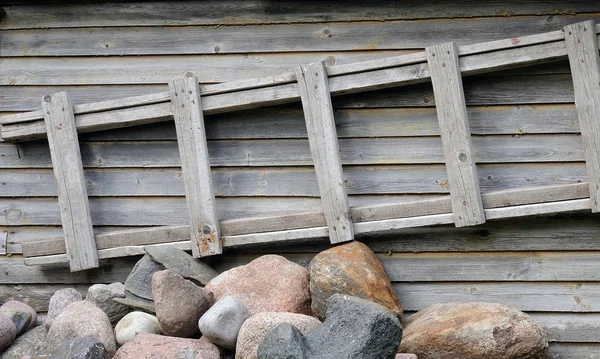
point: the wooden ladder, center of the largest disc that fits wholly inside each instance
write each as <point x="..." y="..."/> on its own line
<point x="313" y="84"/>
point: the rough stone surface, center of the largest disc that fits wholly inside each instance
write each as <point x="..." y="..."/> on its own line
<point x="473" y="330"/>
<point x="133" y="323"/>
<point x="406" y="356"/>
<point x="222" y="322"/>
<point x="354" y="328"/>
<point x="151" y="346"/>
<point x="59" y="301"/>
<point x="257" y="286"/>
<point x="284" y="342"/>
<point x="351" y="269"/>
<point x="81" y="348"/>
<point x="21" y="314"/>
<point x="32" y="342"/>
<point x="138" y="303"/>
<point x="8" y="332"/>
<point x="178" y="261"/>
<point x="139" y="281"/>
<point x="81" y="319"/>
<point x="101" y="295"/>
<point x="179" y="304"/>
<point x="256" y="327"/>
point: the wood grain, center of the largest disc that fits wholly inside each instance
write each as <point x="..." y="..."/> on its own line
<point x="70" y="181"/>
<point x="323" y="142"/>
<point x="186" y="105"/>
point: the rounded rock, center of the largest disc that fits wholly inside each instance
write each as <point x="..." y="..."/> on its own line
<point x="134" y="323"/>
<point x="8" y="332"/>
<point x="21" y="314"/>
<point x="33" y="341"/>
<point x="59" y="301"/>
<point x="102" y="295"/>
<point x="222" y="322"/>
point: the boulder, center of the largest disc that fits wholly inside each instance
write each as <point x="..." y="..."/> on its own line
<point x="178" y="261"/>
<point x="256" y="327"/>
<point x="8" y="332"/>
<point x="354" y="328"/>
<point x="406" y="356"/>
<point x="32" y="342"/>
<point x="81" y="348"/>
<point x="133" y="323"/>
<point x="351" y="269"/>
<point x="179" y="304"/>
<point x="222" y="322"/>
<point x="151" y="346"/>
<point x="21" y="314"/>
<point x="139" y="281"/>
<point x="81" y="319"/>
<point x="102" y="295"/>
<point x="261" y="291"/>
<point x="473" y="330"/>
<point x="59" y="301"/>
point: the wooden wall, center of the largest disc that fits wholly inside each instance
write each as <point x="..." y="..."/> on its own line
<point x="523" y="121"/>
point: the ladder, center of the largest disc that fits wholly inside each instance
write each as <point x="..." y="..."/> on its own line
<point x="313" y="85"/>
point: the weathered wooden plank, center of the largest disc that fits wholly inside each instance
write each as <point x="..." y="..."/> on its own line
<point x="525" y="296"/>
<point x="186" y="105"/>
<point x="35" y="295"/>
<point x="356" y="151"/>
<point x="15" y="271"/>
<point x="323" y="141"/>
<point x="3" y="241"/>
<point x="68" y="171"/>
<point x="569" y="327"/>
<point x="574" y="350"/>
<point x="451" y="108"/>
<point x="582" y="46"/>
<point x="183" y="13"/>
<point x="297" y="37"/>
<point x="556" y="233"/>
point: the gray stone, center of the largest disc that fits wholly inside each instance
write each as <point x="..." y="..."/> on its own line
<point x="81" y="348"/>
<point x="354" y="328"/>
<point x="178" y="261"/>
<point x="179" y="304"/>
<point x="283" y="342"/>
<point x="139" y="281"/>
<point x="21" y="314"/>
<point x="32" y="342"/>
<point x="222" y="322"/>
<point x="59" y="301"/>
<point x="133" y="323"/>
<point x="101" y="295"/>
<point x="138" y="303"/>
<point x="8" y="332"/>
<point x="81" y="319"/>
<point x="405" y="356"/>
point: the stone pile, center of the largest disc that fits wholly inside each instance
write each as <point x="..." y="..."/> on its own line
<point x="343" y="306"/>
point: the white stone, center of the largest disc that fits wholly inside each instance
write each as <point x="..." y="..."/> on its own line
<point x="222" y="322"/>
<point x="133" y="323"/>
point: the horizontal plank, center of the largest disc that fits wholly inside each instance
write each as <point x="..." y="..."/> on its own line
<point x="569" y="327"/>
<point x="412" y="150"/>
<point x="15" y="271"/>
<point x="479" y="90"/>
<point x="184" y="13"/>
<point x="290" y="38"/>
<point x="574" y="351"/>
<point x="528" y="296"/>
<point x="382" y="122"/>
<point x="142" y="211"/>
<point x="37" y="296"/>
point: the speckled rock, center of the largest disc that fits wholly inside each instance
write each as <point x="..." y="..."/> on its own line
<point x="139" y="281"/>
<point x="21" y="314"/>
<point x="81" y="348"/>
<point x="473" y="330"/>
<point x="222" y="322"/>
<point x="151" y="346"/>
<point x="81" y="319"/>
<point x="405" y="356"/>
<point x="134" y="323"/>
<point x="59" y="301"/>
<point x="257" y="286"/>
<point x="179" y="304"/>
<point x="178" y="261"/>
<point x="8" y="332"/>
<point x="102" y="295"/>
<point x="31" y="342"/>
<point x="256" y="327"/>
<point x="351" y="269"/>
